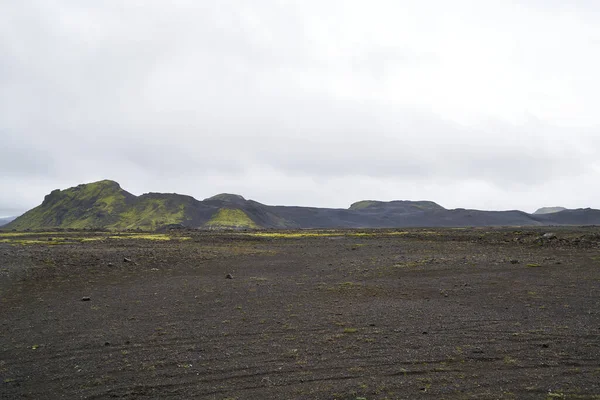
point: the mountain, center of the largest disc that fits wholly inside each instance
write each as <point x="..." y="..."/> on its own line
<point x="95" y="205"/>
<point x="548" y="210"/>
<point x="227" y="198"/>
<point x="580" y="216"/>
<point x="6" y="220"/>
<point x="105" y="205"/>
<point x="398" y="205"/>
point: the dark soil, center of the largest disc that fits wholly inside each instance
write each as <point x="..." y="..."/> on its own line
<point x="441" y="314"/>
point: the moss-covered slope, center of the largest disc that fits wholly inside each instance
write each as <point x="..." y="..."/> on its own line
<point x="153" y="210"/>
<point x="231" y="218"/>
<point x="93" y="205"/>
<point x="104" y="205"/>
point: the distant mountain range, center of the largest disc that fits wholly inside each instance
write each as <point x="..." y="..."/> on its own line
<point x="105" y="205"/>
<point x="6" y="220"/>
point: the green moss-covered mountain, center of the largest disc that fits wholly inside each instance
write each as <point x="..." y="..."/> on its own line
<point x="105" y="205"/>
<point x="96" y="204"/>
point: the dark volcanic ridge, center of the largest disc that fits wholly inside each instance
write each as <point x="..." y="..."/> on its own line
<point x="105" y="205"/>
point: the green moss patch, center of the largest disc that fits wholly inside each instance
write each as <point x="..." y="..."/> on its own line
<point x="150" y="214"/>
<point x="231" y="218"/>
<point x="74" y="238"/>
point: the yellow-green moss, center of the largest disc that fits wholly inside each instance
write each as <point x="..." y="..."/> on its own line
<point x="57" y="238"/>
<point x="326" y="233"/>
<point x="138" y="236"/>
<point x="231" y="218"/>
<point x="294" y="235"/>
<point x="25" y="242"/>
<point x="142" y="236"/>
<point x="20" y="234"/>
<point x="150" y="214"/>
<point x="83" y="206"/>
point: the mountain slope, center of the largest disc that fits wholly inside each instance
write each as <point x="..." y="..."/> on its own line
<point x="105" y="205"/>
<point x="6" y="220"/>
<point x="231" y="218"/>
<point x="580" y="216"/>
<point x="94" y="205"/>
<point x="396" y="205"/>
<point x="548" y="210"/>
<point x="261" y="215"/>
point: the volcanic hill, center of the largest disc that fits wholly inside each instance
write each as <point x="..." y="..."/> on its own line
<point x="105" y="205"/>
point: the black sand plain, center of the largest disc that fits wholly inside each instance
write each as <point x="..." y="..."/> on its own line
<point x="475" y="313"/>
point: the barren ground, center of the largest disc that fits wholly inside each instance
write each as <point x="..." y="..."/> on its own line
<point x="441" y="314"/>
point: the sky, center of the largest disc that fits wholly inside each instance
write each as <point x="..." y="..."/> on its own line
<point x="475" y="104"/>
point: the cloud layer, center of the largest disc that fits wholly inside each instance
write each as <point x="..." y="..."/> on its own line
<point x="303" y="103"/>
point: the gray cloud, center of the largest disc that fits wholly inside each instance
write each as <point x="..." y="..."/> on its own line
<point x="314" y="103"/>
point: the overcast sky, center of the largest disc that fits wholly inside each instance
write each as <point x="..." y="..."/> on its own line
<point x="475" y="104"/>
